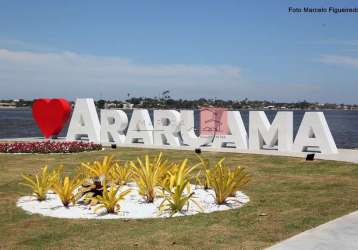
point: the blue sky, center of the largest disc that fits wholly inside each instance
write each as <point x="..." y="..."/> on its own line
<point x="223" y="49"/>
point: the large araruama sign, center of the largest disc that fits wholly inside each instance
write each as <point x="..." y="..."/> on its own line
<point x="176" y="128"/>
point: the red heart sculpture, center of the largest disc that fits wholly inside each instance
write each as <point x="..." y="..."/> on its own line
<point x="51" y="115"/>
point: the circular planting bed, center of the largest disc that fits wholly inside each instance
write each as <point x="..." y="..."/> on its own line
<point x="132" y="207"/>
<point x="148" y="187"/>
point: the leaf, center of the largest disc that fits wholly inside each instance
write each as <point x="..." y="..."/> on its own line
<point x="226" y="182"/>
<point x="110" y="198"/>
<point x="65" y="189"/>
<point x="40" y="183"/>
<point x="148" y="174"/>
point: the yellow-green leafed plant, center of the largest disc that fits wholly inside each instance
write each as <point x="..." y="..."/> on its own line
<point x="98" y="168"/>
<point x="121" y="174"/>
<point x="176" y="199"/>
<point x="56" y="173"/>
<point x="202" y="177"/>
<point x="110" y="198"/>
<point x="178" y="173"/>
<point x="40" y="183"/>
<point x="148" y="174"/>
<point x="65" y="189"/>
<point x="176" y="190"/>
<point x="241" y="179"/>
<point x="226" y="182"/>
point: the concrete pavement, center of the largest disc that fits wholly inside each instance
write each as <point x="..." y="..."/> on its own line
<point x="346" y="155"/>
<point x="341" y="233"/>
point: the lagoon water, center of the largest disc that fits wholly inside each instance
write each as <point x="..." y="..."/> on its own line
<point x="15" y="123"/>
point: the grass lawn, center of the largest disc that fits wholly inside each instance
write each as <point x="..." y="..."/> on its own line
<point x="288" y="196"/>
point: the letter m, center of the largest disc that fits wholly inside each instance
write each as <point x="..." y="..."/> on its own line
<point x="279" y="133"/>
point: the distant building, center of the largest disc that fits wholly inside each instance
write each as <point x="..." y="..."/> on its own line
<point x="269" y="107"/>
<point x="110" y="105"/>
<point x="127" y="105"/>
<point x="7" y="104"/>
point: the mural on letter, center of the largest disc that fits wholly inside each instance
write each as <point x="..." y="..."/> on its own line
<point x="213" y="121"/>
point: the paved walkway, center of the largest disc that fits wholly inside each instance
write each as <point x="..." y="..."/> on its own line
<point x="346" y="155"/>
<point x="338" y="234"/>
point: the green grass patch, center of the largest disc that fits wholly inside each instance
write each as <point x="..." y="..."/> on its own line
<point x="288" y="196"/>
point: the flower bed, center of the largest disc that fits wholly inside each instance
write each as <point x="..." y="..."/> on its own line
<point x="48" y="147"/>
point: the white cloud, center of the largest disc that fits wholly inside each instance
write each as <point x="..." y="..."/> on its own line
<point x="68" y="61"/>
<point x="339" y="60"/>
<point x="70" y="74"/>
<point x="29" y="74"/>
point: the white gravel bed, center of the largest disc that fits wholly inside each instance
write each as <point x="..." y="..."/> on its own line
<point x="132" y="207"/>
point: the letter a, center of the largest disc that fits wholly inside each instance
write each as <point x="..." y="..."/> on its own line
<point x="314" y="132"/>
<point x="84" y="122"/>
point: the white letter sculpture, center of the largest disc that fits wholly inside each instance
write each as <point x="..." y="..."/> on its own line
<point x="187" y="131"/>
<point x="84" y="122"/>
<point x="166" y="127"/>
<point x="113" y="124"/>
<point x="262" y="133"/>
<point x="314" y="132"/>
<point x="140" y="128"/>
<point x="177" y="129"/>
<point x="238" y="134"/>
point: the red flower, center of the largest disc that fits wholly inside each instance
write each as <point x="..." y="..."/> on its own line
<point x="48" y="147"/>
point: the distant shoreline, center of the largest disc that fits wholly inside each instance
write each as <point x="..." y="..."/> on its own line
<point x="165" y="101"/>
<point x="242" y="109"/>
